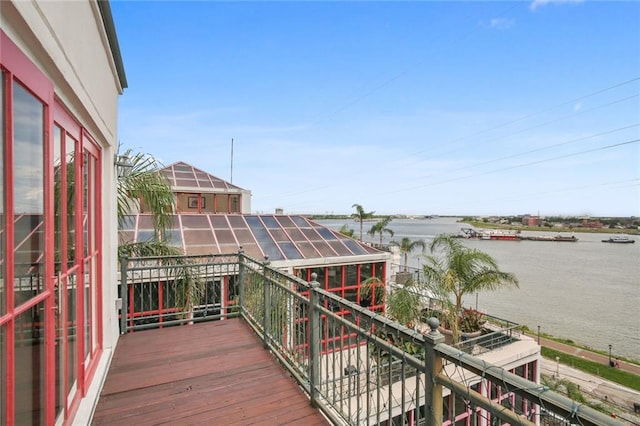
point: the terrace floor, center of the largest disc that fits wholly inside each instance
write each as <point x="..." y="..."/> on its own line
<point x="208" y="373"/>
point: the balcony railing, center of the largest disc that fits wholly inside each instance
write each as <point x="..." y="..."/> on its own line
<point x="357" y="366"/>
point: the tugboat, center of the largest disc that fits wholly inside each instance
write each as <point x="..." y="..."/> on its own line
<point x="619" y="240"/>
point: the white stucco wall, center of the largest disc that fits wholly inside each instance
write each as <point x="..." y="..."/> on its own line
<point x="67" y="41"/>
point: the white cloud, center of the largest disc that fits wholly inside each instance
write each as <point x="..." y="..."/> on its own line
<point x="539" y="3"/>
<point x="501" y="23"/>
<point x="578" y="106"/>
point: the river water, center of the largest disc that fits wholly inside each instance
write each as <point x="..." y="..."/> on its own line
<point x="586" y="291"/>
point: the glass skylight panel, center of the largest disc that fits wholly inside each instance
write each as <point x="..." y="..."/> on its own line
<point x="290" y="251"/>
<point x="175" y="221"/>
<point x="264" y="239"/>
<point x="225" y="236"/>
<point x="311" y="234"/>
<point x="145" y="221"/>
<point x="198" y="237"/>
<point x="126" y="236"/>
<point x="279" y="235"/>
<point x="167" y="173"/>
<point x="326" y="233"/>
<point x="145" y="236"/>
<point x="244" y="236"/>
<point x="237" y="221"/>
<point x="219" y="221"/>
<point x="174" y="237"/>
<point x="181" y="167"/>
<point x="285" y="221"/>
<point x="270" y="222"/>
<point x="354" y="247"/>
<point x="340" y="248"/>
<point x="301" y="222"/>
<point x="191" y="221"/>
<point x="324" y="249"/>
<point x="253" y="250"/>
<point x="296" y="235"/>
<point x="271" y="250"/>
<point x="127" y="222"/>
<point x="190" y="183"/>
<point x="308" y="250"/>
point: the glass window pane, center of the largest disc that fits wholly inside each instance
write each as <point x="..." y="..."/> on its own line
<point x="72" y="348"/>
<point x="59" y="195"/>
<point x="88" y="284"/>
<point x="85" y="204"/>
<point x="222" y="203"/>
<point x="70" y="187"/>
<point x="30" y="367"/>
<point x="28" y="170"/>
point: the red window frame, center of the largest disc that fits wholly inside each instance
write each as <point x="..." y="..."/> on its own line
<point x="16" y="66"/>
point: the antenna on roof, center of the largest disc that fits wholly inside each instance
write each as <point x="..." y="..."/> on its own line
<point x="231" y="160"/>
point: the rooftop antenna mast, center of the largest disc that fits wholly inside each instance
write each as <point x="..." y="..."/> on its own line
<point x="231" y="160"/>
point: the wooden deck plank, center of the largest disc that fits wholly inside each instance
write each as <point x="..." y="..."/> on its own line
<point x="209" y="373"/>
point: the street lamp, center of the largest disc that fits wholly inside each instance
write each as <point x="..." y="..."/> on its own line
<point x="610" y="362"/>
<point x="538" y="335"/>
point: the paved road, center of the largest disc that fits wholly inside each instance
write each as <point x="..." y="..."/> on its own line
<point x="592" y="356"/>
<point x="593" y="385"/>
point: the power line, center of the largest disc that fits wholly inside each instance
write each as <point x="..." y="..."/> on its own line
<point x="518" y="166"/>
<point x="520" y="154"/>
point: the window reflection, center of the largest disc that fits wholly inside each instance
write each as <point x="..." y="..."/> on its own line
<point x="29" y="367"/>
<point x="28" y="152"/>
<point x="28" y="172"/>
<point x="70" y="187"/>
<point x="59" y="209"/>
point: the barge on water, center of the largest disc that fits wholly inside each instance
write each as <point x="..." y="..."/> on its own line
<point x="619" y="240"/>
<point x="471" y="233"/>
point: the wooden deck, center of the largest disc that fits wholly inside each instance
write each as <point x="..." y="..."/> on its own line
<point x="214" y="373"/>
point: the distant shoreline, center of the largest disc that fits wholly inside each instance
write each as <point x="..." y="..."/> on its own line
<point x="490" y="225"/>
<point x="486" y="225"/>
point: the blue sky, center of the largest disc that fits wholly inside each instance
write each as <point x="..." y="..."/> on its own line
<point x="417" y="107"/>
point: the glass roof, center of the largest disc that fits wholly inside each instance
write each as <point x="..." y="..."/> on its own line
<point x="186" y="176"/>
<point x="279" y="237"/>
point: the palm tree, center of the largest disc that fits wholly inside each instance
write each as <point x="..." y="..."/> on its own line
<point x="346" y="231"/>
<point x="360" y="215"/>
<point x="406" y="246"/>
<point x="381" y="228"/>
<point x="404" y="304"/>
<point x="460" y="270"/>
<point x="144" y="184"/>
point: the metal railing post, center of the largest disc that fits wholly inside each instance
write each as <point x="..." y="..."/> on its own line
<point x="314" y="341"/>
<point x="124" y="294"/>
<point x="240" y="306"/>
<point x="266" y="309"/>
<point x="433" y="366"/>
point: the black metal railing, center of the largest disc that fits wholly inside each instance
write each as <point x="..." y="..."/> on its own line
<point x="357" y="366"/>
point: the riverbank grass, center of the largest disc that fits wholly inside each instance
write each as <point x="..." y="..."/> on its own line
<point x="615" y="375"/>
